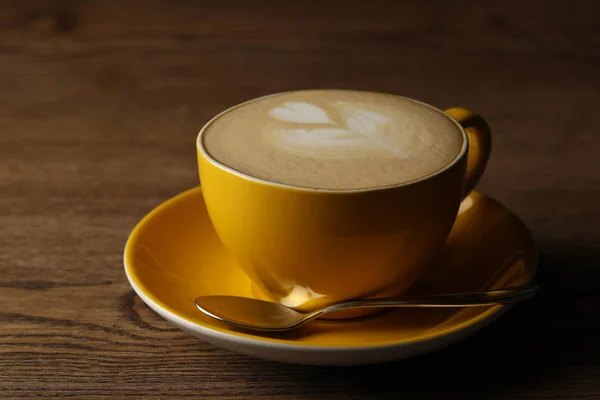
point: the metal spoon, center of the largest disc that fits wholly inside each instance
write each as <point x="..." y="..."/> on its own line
<point x="262" y="315"/>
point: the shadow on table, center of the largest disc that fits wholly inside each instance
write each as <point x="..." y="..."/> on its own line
<point x="528" y="347"/>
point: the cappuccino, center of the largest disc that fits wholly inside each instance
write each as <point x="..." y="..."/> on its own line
<point x="334" y="139"/>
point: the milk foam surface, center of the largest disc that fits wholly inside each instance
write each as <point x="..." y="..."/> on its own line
<point x="334" y="139"/>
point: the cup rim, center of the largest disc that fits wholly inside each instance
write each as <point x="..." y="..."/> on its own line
<point x="200" y="147"/>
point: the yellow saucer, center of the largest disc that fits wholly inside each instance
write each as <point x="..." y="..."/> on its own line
<point x="173" y="255"/>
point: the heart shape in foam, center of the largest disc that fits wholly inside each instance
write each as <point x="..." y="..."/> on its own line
<point x="360" y="129"/>
<point x="295" y="111"/>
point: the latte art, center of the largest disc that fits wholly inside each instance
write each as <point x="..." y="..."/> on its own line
<point x="334" y="139"/>
<point x="360" y="129"/>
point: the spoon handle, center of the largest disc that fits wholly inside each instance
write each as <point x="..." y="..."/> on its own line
<point x="473" y="299"/>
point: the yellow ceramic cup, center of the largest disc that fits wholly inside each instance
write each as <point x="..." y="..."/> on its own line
<point x="308" y="247"/>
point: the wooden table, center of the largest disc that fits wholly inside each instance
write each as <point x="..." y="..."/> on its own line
<point x="100" y="103"/>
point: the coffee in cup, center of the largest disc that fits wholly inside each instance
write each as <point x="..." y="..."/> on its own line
<point x="334" y="139"/>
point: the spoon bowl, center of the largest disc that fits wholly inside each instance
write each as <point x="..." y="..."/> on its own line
<point x="260" y="315"/>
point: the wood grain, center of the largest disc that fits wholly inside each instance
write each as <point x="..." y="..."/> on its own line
<point x="100" y="102"/>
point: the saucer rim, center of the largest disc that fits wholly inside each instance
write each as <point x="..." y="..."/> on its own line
<point x="447" y="335"/>
<point x="419" y="345"/>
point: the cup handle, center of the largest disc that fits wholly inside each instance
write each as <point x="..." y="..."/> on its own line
<point x="480" y="144"/>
